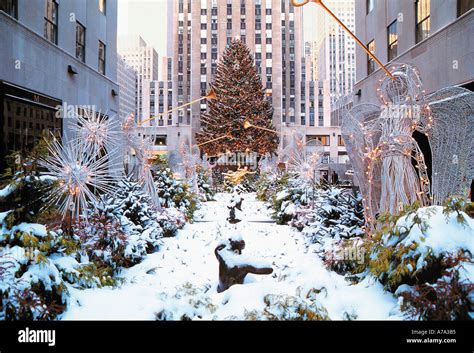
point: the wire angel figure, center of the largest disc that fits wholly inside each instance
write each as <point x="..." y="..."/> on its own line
<point x="269" y="164"/>
<point x="186" y="161"/>
<point x="303" y="158"/>
<point x="138" y="157"/>
<point x="388" y="145"/>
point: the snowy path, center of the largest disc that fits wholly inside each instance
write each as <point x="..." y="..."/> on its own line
<point x="157" y="283"/>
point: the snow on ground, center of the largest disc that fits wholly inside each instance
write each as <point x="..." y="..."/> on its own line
<point x="182" y="277"/>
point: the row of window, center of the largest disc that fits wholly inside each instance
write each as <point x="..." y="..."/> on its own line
<point x="422" y="27"/>
<point x="51" y="28"/>
<point x="81" y="47"/>
<point x="324" y="139"/>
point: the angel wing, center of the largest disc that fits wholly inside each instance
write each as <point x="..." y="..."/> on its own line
<point x="268" y="164"/>
<point x="451" y="138"/>
<point x="295" y="145"/>
<point x="358" y="141"/>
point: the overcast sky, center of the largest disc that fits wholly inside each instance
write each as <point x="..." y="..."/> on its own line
<point x="148" y="18"/>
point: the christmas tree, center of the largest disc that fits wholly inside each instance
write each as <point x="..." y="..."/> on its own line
<point x="240" y="96"/>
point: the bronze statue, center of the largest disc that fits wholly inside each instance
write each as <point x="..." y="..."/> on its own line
<point x="229" y="276"/>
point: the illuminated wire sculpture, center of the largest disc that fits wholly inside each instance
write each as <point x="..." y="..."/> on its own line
<point x="304" y="159"/>
<point x="139" y="146"/>
<point x="388" y="162"/>
<point x="78" y="173"/>
<point x="268" y="164"/>
<point x="186" y="161"/>
<point x="96" y="131"/>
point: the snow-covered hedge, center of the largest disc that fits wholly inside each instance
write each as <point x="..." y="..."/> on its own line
<point x="322" y="211"/>
<point x="42" y="253"/>
<point x="175" y="193"/>
<point x="424" y="255"/>
<point x="31" y="286"/>
<point x="139" y="220"/>
<point x="291" y="308"/>
<point x="288" y="198"/>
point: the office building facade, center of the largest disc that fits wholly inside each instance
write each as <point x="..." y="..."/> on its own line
<point x="435" y="36"/>
<point x="56" y="56"/>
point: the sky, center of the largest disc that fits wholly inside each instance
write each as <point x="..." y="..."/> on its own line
<point x="146" y="18"/>
<point x="149" y="19"/>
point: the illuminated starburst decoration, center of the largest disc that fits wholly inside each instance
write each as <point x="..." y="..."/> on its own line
<point x="97" y="131"/>
<point x="303" y="159"/>
<point x="79" y="174"/>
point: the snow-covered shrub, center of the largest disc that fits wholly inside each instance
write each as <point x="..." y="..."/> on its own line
<point x="449" y="298"/>
<point x="175" y="193"/>
<point x="409" y="248"/>
<point x="291" y="308"/>
<point x="32" y="286"/>
<point x="412" y="251"/>
<point x="204" y="182"/>
<point x="103" y="241"/>
<point x="186" y="303"/>
<point x="288" y="198"/>
<point x="344" y="256"/>
<point x="141" y="224"/>
<point x="24" y="196"/>
<point x="265" y="186"/>
<point x="337" y="214"/>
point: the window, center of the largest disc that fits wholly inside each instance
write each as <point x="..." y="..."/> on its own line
<point x="392" y="40"/>
<point x="422" y="19"/>
<point x="464" y="6"/>
<point x="370" y="61"/>
<point x="160" y="140"/>
<point x="324" y="139"/>
<point x="80" y="42"/>
<point x="340" y="141"/>
<point x="51" y="21"/>
<point x="10" y="7"/>
<point x="101" y="58"/>
<point x="320" y="119"/>
<point x="102" y="6"/>
<point x="370" y="5"/>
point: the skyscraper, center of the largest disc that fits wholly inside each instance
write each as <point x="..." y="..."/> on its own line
<point x="272" y="30"/>
<point x="144" y="59"/>
<point x="157" y="99"/>
<point x="127" y="80"/>
<point x="333" y="56"/>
